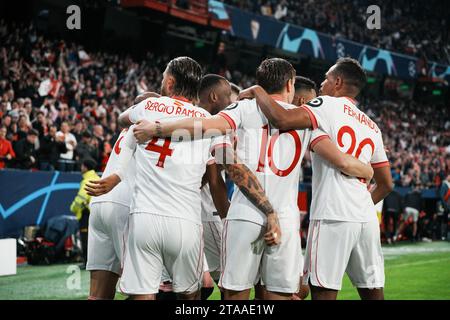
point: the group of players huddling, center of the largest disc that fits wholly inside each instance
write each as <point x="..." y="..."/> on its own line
<point x="160" y="216"/>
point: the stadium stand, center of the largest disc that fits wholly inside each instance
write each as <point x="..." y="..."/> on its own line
<point x="407" y="27"/>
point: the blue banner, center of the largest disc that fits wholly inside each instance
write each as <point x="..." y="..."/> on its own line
<point x="269" y="31"/>
<point x="31" y="198"/>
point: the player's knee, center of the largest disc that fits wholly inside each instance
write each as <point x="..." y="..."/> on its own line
<point x="303" y="292"/>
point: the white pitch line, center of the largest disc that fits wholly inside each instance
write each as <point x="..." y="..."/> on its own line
<point x="418" y="263"/>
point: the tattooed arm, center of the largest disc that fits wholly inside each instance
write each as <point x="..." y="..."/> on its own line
<point x="252" y="189"/>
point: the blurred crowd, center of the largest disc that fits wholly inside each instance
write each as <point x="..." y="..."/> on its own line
<point x="408" y="27"/>
<point x="59" y="105"/>
<point x="417" y="137"/>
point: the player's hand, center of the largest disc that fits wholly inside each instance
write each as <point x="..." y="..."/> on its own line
<point x="146" y="95"/>
<point x="248" y="93"/>
<point x="144" y="130"/>
<point x="273" y="234"/>
<point x="98" y="187"/>
<point x="367" y="178"/>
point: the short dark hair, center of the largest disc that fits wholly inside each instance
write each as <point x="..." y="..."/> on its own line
<point x="235" y="88"/>
<point x="303" y="83"/>
<point x="86" y="134"/>
<point x="352" y="72"/>
<point x="187" y="73"/>
<point x="33" y="132"/>
<point x="209" y="81"/>
<point x="272" y="74"/>
<point x="89" y="163"/>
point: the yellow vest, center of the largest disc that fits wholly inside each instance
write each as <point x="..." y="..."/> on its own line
<point x="82" y="199"/>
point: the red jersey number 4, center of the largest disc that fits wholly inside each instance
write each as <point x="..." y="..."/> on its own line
<point x="164" y="150"/>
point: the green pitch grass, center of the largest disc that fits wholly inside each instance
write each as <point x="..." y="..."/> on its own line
<point x="420" y="271"/>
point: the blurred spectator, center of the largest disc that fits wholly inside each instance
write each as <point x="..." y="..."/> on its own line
<point x="25" y="150"/>
<point x="266" y="9"/>
<point x="52" y="146"/>
<point x="85" y="149"/>
<point x="281" y="10"/>
<point x="392" y="208"/>
<point x="40" y="124"/>
<point x="6" y="150"/>
<point x="66" y="162"/>
<point x="413" y="205"/>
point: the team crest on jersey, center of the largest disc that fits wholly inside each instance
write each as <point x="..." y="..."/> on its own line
<point x="232" y="106"/>
<point x="314" y="103"/>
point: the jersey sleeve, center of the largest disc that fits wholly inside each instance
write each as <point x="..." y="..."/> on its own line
<point x="136" y="111"/>
<point x="319" y="111"/>
<point x="219" y="144"/>
<point x="379" y="157"/>
<point x="126" y="153"/>
<point x="233" y="114"/>
<point x="316" y="136"/>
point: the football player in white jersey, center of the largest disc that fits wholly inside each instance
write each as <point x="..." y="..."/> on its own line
<point x="214" y="95"/>
<point x="305" y="90"/>
<point x="165" y="221"/>
<point x="344" y="234"/>
<point x="274" y="157"/>
<point x="107" y="223"/>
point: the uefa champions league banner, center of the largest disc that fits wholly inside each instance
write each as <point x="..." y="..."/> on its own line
<point x="31" y="198"/>
<point x="272" y="32"/>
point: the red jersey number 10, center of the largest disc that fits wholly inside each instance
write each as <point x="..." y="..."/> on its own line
<point x="273" y="140"/>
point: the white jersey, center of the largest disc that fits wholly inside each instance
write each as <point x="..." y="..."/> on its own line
<point x="273" y="156"/>
<point x="122" y="193"/>
<point x="169" y="173"/>
<point x="336" y="196"/>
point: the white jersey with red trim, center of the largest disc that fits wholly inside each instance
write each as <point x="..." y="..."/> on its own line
<point x="336" y="196"/>
<point x="273" y="156"/>
<point x="169" y="173"/>
<point x="122" y="193"/>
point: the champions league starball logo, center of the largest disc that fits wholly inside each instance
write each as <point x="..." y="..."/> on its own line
<point x="382" y="56"/>
<point x="288" y="42"/>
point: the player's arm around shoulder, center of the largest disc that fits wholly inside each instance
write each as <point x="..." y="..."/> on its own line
<point x="124" y="119"/>
<point x="279" y="117"/>
<point x="345" y="163"/>
<point x="197" y="128"/>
